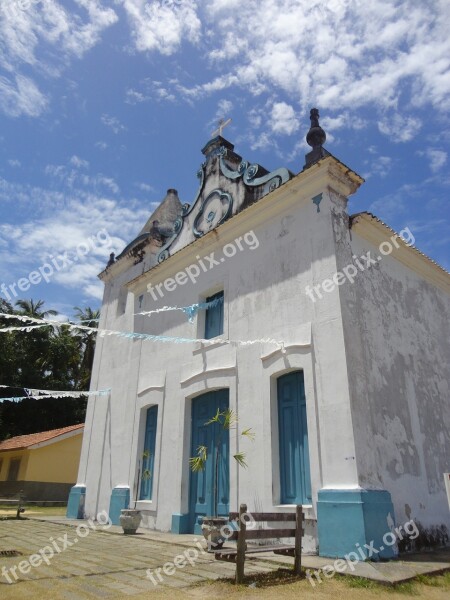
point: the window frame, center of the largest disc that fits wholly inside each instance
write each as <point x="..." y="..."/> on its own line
<point x="211" y="331"/>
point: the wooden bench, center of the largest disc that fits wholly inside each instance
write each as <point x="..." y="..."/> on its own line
<point x="242" y="535"/>
<point x="20" y="501"/>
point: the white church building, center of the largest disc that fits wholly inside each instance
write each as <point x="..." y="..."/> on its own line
<point x="327" y="333"/>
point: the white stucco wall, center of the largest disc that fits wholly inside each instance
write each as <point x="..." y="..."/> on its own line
<point x="264" y="298"/>
<point x="374" y="355"/>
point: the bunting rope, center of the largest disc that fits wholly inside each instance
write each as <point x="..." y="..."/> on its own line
<point x="28" y="328"/>
<point x="42" y="394"/>
<point x="190" y="310"/>
<point x="133" y="335"/>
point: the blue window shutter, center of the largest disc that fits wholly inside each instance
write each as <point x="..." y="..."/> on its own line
<point x="214" y="317"/>
<point x="148" y="461"/>
<point x="295" y="478"/>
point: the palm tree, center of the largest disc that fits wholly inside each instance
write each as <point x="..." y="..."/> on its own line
<point x="89" y="318"/>
<point x="33" y="348"/>
<point x="33" y="309"/>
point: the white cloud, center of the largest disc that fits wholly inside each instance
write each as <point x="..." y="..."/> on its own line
<point x="71" y="177"/>
<point x="95" y="290"/>
<point x="113" y="123"/>
<point x="78" y="162"/>
<point x="224" y="108"/>
<point x="44" y="37"/>
<point x="262" y="142"/>
<point x="340" y="54"/>
<point x="162" y="25"/>
<point x="390" y="207"/>
<point x="145" y="187"/>
<point x="283" y="119"/>
<point x="437" y="158"/>
<point x="164" y="94"/>
<point x="380" y="165"/>
<point x="13" y="162"/>
<point x="399" y="128"/>
<point x="135" y="97"/>
<point x="20" y="96"/>
<point x="62" y="224"/>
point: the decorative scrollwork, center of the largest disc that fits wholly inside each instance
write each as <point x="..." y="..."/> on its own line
<point x="178" y="225"/>
<point x="249" y="172"/>
<point x="185" y="211"/>
<point x="216" y="208"/>
<point x="243" y="167"/>
<point x="163" y="255"/>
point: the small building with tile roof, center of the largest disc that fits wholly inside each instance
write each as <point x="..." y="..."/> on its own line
<point x="43" y="465"/>
<point x="326" y="333"/>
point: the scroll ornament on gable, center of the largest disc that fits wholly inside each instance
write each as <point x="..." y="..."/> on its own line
<point x="215" y="209"/>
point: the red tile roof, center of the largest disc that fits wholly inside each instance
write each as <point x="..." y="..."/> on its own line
<point x="24" y="441"/>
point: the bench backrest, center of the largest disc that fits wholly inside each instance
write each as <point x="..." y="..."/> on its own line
<point x="266" y="533"/>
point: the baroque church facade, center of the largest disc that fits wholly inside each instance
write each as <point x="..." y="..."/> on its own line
<point x="326" y="333"/>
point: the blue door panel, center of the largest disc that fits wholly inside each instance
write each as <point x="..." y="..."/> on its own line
<point x="295" y="480"/>
<point x="201" y="484"/>
<point x="148" y="461"/>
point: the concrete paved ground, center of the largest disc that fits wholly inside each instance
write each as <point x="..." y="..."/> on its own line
<point x="100" y="564"/>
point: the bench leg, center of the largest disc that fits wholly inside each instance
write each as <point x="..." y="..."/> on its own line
<point x="298" y="540"/>
<point x="241" y="545"/>
<point x="20" y="502"/>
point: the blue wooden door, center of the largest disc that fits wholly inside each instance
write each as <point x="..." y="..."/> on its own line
<point x="295" y="478"/>
<point x="205" y="407"/>
<point x="148" y="457"/>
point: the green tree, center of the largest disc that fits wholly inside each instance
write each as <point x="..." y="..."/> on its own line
<point x="33" y="309"/>
<point x="33" y="347"/>
<point x="53" y="358"/>
<point x="89" y="318"/>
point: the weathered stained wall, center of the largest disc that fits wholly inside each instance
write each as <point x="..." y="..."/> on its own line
<point x="397" y="332"/>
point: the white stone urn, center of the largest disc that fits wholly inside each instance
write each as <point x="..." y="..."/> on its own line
<point x="211" y="529"/>
<point x="130" y="519"/>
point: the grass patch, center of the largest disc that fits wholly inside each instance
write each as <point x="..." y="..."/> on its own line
<point x="442" y="580"/>
<point x="430" y="580"/>
<point x="406" y="587"/>
<point x="362" y="582"/>
<point x="9" y="512"/>
<point x="281" y="576"/>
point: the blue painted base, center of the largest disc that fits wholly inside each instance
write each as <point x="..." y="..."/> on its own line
<point x="120" y="498"/>
<point x="349" y="519"/>
<point x="75" y="504"/>
<point x="180" y="523"/>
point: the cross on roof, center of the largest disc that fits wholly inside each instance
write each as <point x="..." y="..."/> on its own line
<point x="222" y="125"/>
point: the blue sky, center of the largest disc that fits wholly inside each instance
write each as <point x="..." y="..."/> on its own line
<point x="106" y="105"/>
